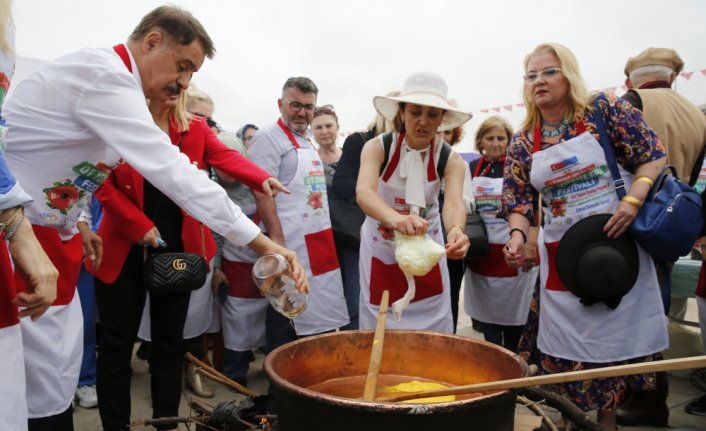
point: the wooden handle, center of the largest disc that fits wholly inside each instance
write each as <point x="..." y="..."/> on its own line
<point x="216" y="376"/>
<point x="371" y="381"/>
<point x="572" y="376"/>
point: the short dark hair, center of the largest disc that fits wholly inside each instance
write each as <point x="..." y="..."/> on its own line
<point x="301" y="83"/>
<point x="178" y="24"/>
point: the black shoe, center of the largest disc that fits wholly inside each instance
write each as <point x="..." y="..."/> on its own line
<point x="143" y="352"/>
<point x="646" y="408"/>
<point x="697" y="406"/>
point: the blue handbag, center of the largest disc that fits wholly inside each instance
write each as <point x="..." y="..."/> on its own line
<point x="671" y="217"/>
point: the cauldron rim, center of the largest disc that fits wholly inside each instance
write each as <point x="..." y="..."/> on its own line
<point x="388" y="406"/>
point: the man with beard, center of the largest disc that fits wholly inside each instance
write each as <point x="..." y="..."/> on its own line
<point x="299" y="220"/>
<point x="71" y="122"/>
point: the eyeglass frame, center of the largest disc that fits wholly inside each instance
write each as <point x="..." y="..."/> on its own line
<point x="532" y="77"/>
<point x="308" y="107"/>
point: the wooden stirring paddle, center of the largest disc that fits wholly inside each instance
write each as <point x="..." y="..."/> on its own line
<point x="572" y="376"/>
<point x="371" y="381"/>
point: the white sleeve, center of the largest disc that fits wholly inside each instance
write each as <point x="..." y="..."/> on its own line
<point x="114" y="108"/>
<point x="86" y="215"/>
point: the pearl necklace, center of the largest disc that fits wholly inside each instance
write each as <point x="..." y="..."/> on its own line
<point x="559" y="128"/>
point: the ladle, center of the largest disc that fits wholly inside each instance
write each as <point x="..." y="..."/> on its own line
<point x="572" y="376"/>
<point x="371" y="381"/>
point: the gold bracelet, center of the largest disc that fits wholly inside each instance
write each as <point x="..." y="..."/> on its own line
<point x="11" y="230"/>
<point x="448" y="231"/>
<point x="6" y="224"/>
<point x="632" y="201"/>
<point x="646" y="180"/>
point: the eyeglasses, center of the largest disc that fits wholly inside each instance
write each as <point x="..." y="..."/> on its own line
<point x="547" y="73"/>
<point x="296" y="106"/>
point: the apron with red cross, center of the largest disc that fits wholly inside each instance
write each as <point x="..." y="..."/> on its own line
<point x="244" y="310"/>
<point x="574" y="182"/>
<point x="53" y="344"/>
<point x="306" y="227"/>
<point x="430" y="308"/>
<point x="496" y="293"/>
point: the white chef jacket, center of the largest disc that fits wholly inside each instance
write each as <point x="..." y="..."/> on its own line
<point x="81" y="114"/>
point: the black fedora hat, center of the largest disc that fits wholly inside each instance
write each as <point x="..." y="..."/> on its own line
<point x="594" y="267"/>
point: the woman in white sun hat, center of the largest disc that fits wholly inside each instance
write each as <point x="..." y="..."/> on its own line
<point x="398" y="188"/>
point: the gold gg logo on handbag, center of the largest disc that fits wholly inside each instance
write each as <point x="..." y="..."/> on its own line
<point x="179" y="264"/>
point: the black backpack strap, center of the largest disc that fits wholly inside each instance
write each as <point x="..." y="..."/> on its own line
<point x="440" y="167"/>
<point x="443" y="159"/>
<point x="387" y="145"/>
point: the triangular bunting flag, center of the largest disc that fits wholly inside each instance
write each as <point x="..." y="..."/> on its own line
<point x="622" y="88"/>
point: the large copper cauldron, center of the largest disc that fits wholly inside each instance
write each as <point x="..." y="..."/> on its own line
<point x="453" y="360"/>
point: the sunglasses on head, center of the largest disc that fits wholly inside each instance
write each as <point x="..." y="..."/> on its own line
<point x="326" y="108"/>
<point x="210" y="121"/>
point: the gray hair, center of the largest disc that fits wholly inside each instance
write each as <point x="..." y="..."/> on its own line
<point x="650" y="72"/>
<point x="301" y="83"/>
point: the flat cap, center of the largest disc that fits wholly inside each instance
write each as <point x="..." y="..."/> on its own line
<point x="662" y="56"/>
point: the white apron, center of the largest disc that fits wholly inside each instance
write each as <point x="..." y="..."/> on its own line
<point x="430" y="308"/>
<point x="306" y="226"/>
<point x="574" y="182"/>
<point x="199" y="316"/>
<point x="244" y="311"/>
<point x="13" y="397"/>
<point x="53" y="344"/>
<point x="494" y="292"/>
<point x="53" y="352"/>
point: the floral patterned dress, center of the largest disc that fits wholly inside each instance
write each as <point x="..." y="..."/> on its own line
<point x="635" y="144"/>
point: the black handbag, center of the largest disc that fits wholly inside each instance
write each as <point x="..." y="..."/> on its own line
<point x="346" y="218"/>
<point x="174" y="272"/>
<point x="477" y="233"/>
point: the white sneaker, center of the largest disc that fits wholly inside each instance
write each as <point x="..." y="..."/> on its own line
<point x="87" y="396"/>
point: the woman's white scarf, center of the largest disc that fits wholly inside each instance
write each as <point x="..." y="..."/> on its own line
<point x="413" y="171"/>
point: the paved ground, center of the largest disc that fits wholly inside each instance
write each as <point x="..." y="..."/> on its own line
<point x="685" y="342"/>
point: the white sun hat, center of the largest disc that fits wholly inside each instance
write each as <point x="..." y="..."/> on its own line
<point x="426" y="89"/>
